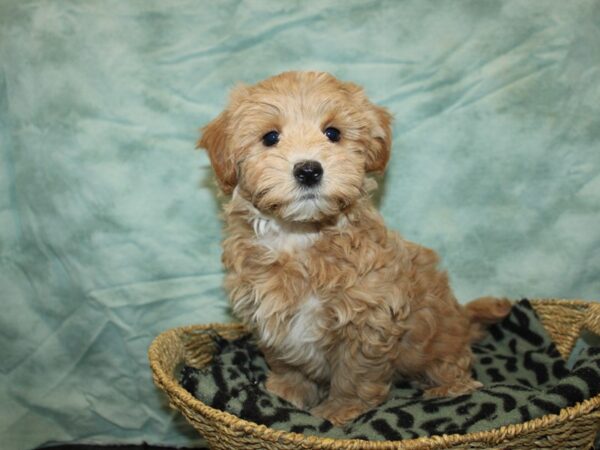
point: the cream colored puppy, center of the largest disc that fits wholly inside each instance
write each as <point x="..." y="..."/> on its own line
<point x="339" y="304"/>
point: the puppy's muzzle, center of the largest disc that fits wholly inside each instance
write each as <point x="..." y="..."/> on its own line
<point x="308" y="173"/>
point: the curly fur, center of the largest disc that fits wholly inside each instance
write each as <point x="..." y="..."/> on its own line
<point x="340" y="305"/>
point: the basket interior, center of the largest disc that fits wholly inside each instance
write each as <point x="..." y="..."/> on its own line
<point x="491" y="407"/>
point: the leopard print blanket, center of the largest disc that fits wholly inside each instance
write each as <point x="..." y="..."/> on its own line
<point x="522" y="372"/>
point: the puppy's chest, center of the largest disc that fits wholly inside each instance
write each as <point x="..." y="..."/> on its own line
<point x="301" y="339"/>
<point x="300" y="334"/>
<point x="278" y="238"/>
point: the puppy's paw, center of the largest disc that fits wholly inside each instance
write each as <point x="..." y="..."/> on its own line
<point x="488" y="310"/>
<point x="294" y="388"/>
<point x="339" y="412"/>
<point x="500" y="308"/>
<point x="461" y="387"/>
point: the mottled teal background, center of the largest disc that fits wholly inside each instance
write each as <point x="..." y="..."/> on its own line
<point x="109" y="221"/>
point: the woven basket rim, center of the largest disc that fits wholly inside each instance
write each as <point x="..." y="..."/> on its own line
<point x="172" y="386"/>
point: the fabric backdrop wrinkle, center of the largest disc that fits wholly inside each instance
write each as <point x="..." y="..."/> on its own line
<point x="109" y="219"/>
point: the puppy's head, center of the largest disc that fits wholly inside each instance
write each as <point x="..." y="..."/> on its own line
<point x="298" y="145"/>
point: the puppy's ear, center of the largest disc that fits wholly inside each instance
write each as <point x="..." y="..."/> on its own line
<point x="380" y="144"/>
<point x="215" y="139"/>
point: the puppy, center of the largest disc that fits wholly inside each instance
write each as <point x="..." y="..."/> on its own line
<point x="339" y="304"/>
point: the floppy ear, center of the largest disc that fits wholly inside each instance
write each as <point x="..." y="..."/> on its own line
<point x="379" y="121"/>
<point x="215" y="139"/>
<point x="380" y="144"/>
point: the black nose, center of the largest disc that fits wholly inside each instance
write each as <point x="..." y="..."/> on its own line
<point x="308" y="173"/>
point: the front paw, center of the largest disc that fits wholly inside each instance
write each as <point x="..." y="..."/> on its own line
<point x="294" y="388"/>
<point x="454" y="390"/>
<point x="339" y="412"/>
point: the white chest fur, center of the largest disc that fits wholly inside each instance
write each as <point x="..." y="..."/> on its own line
<point x="301" y="345"/>
<point x="297" y="338"/>
<point x="279" y="236"/>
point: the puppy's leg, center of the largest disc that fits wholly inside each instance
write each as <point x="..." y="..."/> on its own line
<point x="292" y="385"/>
<point x="295" y="388"/>
<point x="451" y="378"/>
<point x="357" y="386"/>
<point x="488" y="310"/>
<point x="483" y="312"/>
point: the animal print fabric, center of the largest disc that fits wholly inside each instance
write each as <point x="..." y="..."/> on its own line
<point x="523" y="374"/>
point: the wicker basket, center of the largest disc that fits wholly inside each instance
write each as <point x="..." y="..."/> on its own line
<point x="574" y="428"/>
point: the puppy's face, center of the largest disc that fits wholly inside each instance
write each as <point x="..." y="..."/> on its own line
<point x="298" y="145"/>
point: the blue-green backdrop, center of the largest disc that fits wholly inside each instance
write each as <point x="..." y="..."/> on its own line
<point x="109" y="219"/>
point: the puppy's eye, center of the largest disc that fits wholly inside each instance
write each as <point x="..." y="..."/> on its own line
<point x="270" y="139"/>
<point x="333" y="134"/>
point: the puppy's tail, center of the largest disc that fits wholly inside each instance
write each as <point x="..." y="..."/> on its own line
<point x="485" y="311"/>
